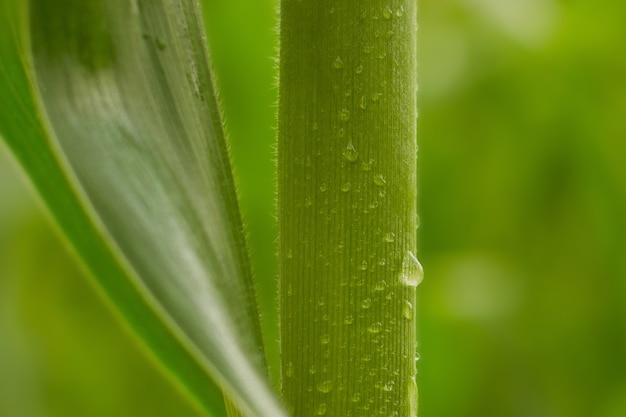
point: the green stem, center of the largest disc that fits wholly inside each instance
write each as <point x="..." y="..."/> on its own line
<point x="347" y="207"/>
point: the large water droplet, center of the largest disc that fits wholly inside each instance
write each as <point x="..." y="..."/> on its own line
<point x="338" y="63"/>
<point x="350" y="153"/>
<point x="325" y="386"/>
<point x="412" y="271"/>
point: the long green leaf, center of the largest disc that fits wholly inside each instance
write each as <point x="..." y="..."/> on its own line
<point x="110" y="109"/>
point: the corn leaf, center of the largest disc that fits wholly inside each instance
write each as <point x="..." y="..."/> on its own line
<point x="110" y="108"/>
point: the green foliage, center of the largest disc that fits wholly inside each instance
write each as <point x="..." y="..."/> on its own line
<point x="522" y="198"/>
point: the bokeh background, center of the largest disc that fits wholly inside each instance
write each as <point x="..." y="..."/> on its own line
<point x="522" y="167"/>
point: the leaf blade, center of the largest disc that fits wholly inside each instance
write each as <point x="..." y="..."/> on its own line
<point x="109" y="88"/>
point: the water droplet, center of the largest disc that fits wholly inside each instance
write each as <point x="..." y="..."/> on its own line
<point x="321" y="301"/>
<point x="366" y="358"/>
<point x="338" y="63"/>
<point x="382" y="262"/>
<point x="344" y="115"/>
<point x="289" y="253"/>
<point x="363" y="265"/>
<point x="356" y="397"/>
<point x="367" y="49"/>
<point x="367" y="166"/>
<point x="387" y="12"/>
<point x="412" y="397"/>
<point x="389" y="237"/>
<point x="375" y="327"/>
<point x="341" y="132"/>
<point x="400" y="11"/>
<point x="373" y="204"/>
<point x="348" y="93"/>
<point x="323" y="187"/>
<point x="315" y="126"/>
<point x="363" y="102"/>
<point x="160" y="44"/>
<point x="349" y="319"/>
<point x="325" y="339"/>
<point x="312" y="369"/>
<point x="346" y="187"/>
<point x="289" y="370"/>
<point x="350" y="153"/>
<point x="321" y="410"/>
<point x="381" y="285"/>
<point x="412" y="271"/>
<point x="376" y="97"/>
<point x="417" y="222"/>
<point x="359" y="69"/>
<point x="308" y="202"/>
<point x="379" y="180"/>
<point x="325" y="386"/>
<point x="407" y="310"/>
<point x="389" y="386"/>
<point x="366" y="303"/>
<point x="417" y="356"/>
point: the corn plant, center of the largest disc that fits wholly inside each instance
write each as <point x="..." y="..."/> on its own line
<point x="110" y="107"/>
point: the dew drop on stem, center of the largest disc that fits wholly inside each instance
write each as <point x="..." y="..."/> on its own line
<point x="325" y="386"/>
<point x="350" y="153"/>
<point x="412" y="271"/>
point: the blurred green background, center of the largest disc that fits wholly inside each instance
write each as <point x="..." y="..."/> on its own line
<point x="522" y="168"/>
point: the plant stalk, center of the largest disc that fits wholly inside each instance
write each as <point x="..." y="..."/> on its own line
<point x="347" y="207"/>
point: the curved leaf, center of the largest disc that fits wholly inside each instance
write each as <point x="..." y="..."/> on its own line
<point x="129" y="154"/>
